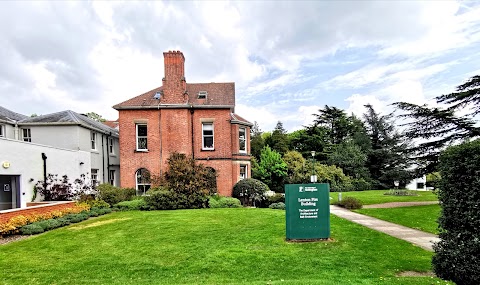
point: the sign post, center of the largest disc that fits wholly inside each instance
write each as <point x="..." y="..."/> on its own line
<point x="307" y="211"/>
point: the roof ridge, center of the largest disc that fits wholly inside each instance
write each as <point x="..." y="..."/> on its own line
<point x="74" y="116"/>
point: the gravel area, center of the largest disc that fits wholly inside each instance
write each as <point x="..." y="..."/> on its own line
<point x="9" y="239"/>
<point x="399" y="204"/>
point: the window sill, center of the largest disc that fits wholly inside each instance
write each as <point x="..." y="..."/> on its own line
<point x="94" y="151"/>
<point x="141" y="150"/>
<point x="208" y="149"/>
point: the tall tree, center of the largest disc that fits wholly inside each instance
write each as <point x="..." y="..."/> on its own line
<point x="96" y="117"/>
<point x="350" y="157"/>
<point x="256" y="141"/>
<point x="271" y="169"/>
<point x="388" y="159"/>
<point x="297" y="168"/>
<point x="278" y="141"/>
<point x="441" y="126"/>
<point x="336" y="121"/>
<point x="310" y="138"/>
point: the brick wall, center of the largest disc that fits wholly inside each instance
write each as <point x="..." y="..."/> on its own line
<point x="38" y="209"/>
<point x="170" y="130"/>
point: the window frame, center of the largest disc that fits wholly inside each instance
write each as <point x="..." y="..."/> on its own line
<point x="244" y="140"/>
<point x="111" y="177"/>
<point x="205" y="136"/>
<point x="94" y="176"/>
<point x="111" y="144"/>
<point x="245" y="173"/>
<point x="2" y="131"/>
<point x="145" y="183"/>
<point x="28" y="137"/>
<point x="93" y="140"/>
<point x="137" y="137"/>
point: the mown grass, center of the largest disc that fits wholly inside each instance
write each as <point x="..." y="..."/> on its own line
<point x="209" y="246"/>
<point x="422" y="218"/>
<point x="377" y="197"/>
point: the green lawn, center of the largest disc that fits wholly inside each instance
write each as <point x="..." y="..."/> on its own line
<point x="208" y="246"/>
<point x="422" y="218"/>
<point x="377" y="197"/>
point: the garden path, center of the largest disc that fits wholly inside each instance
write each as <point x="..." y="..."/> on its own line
<point x="416" y="237"/>
<point x="399" y="204"/>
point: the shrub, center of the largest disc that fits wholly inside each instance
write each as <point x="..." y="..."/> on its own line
<point x="350" y="203"/>
<point x="63" y="221"/>
<point x="277" y="198"/>
<point x="170" y="200"/>
<point x="31" y="229"/>
<point x="137" y="204"/>
<point x="55" y="188"/>
<point x="279" y="206"/>
<point x="185" y="176"/>
<point x="114" y="195"/>
<point x="457" y="255"/>
<point x="224" y="202"/>
<point x="49" y="224"/>
<point x="249" y="188"/>
<point x="98" y="203"/>
<point x="76" y="218"/>
<point x="400" y="192"/>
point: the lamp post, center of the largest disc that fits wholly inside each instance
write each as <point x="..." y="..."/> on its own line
<point x="313" y="178"/>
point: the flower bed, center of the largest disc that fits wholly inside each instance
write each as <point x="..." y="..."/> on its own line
<point x="12" y="220"/>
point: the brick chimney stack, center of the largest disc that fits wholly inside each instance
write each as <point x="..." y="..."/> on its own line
<point x="174" y="84"/>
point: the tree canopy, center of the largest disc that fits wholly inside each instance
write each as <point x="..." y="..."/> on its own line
<point x="438" y="127"/>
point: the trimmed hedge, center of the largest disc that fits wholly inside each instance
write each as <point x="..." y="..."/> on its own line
<point x="224" y="202"/>
<point x="170" y="200"/>
<point x="137" y="204"/>
<point x="457" y="255"/>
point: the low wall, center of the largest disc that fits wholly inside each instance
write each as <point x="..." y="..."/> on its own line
<point x="35" y="208"/>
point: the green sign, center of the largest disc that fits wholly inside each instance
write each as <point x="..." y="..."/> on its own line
<point x="307" y="211"/>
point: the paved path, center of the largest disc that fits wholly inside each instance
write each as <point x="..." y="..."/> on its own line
<point x="399" y="204"/>
<point x="416" y="237"/>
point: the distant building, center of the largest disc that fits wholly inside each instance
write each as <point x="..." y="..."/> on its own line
<point x="63" y="143"/>
<point x="196" y="119"/>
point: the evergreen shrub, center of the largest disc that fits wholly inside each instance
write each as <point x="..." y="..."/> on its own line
<point x="136" y="204"/>
<point x="278" y="206"/>
<point x="224" y="202"/>
<point x="249" y="188"/>
<point x="457" y="255"/>
<point x="350" y="203"/>
<point x="31" y="229"/>
<point x="114" y="195"/>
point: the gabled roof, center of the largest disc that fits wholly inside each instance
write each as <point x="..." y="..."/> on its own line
<point x="236" y="119"/>
<point x="69" y="118"/>
<point x="219" y="95"/>
<point x="8" y="116"/>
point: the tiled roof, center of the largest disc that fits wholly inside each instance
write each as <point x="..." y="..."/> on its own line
<point x="8" y="116"/>
<point x="111" y="124"/>
<point x="69" y="118"/>
<point x="239" y="120"/>
<point x="218" y="95"/>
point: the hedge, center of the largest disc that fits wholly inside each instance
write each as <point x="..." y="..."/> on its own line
<point x="457" y="255"/>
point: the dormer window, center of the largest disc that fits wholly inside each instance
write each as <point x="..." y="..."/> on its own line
<point x="202" y="95"/>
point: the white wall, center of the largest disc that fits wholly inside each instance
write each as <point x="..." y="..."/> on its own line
<point x="412" y="185"/>
<point x="58" y="136"/>
<point x="26" y="161"/>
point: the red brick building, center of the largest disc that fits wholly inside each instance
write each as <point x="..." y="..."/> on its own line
<point x="196" y="119"/>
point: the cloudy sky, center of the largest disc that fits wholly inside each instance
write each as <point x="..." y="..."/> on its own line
<point x="287" y="58"/>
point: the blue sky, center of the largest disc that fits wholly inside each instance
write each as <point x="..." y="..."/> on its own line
<point x="287" y="58"/>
